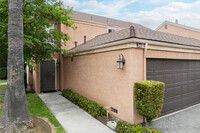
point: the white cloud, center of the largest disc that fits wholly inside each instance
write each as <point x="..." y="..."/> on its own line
<point x="157" y="1"/>
<point x="186" y="13"/>
<point x="71" y="3"/>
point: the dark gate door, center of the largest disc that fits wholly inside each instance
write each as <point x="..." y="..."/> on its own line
<point x="47" y="75"/>
<point x="182" y="80"/>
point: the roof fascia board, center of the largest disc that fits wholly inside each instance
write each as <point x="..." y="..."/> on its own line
<point x="163" y="23"/>
<point x="178" y="25"/>
<point x="95" y="23"/>
<point x="131" y="43"/>
<point x="183" y="26"/>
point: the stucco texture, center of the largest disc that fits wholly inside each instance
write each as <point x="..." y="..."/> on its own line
<point x="180" y="31"/>
<point x="96" y="77"/>
<point x="36" y="80"/>
<point x="83" y="29"/>
<point x="172" y="55"/>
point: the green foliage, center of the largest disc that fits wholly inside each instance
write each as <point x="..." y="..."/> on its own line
<point x="124" y="127"/>
<point x="37" y="108"/>
<point x="149" y="97"/>
<point x="37" y="18"/>
<point x="91" y="107"/>
<point x="3" y="72"/>
<point x="3" y="81"/>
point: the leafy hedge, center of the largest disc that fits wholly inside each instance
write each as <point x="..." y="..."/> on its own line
<point x="91" y="107"/>
<point x="123" y="127"/>
<point x="149" y="96"/>
<point x="3" y="72"/>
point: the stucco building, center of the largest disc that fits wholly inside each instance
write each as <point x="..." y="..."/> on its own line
<point x="93" y="72"/>
<point x="178" y="29"/>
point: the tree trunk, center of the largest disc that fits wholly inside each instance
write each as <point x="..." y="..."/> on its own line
<point x="144" y="122"/>
<point x="15" y="117"/>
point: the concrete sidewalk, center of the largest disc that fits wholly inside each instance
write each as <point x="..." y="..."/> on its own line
<point x="3" y="83"/>
<point x="71" y="117"/>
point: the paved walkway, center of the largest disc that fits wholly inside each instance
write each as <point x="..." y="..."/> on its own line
<point x="3" y="83"/>
<point x="187" y="121"/>
<point x="71" y="117"/>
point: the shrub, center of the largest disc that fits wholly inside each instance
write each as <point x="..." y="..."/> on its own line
<point x="3" y="72"/>
<point x="123" y="127"/>
<point x="149" y="96"/>
<point x="91" y="107"/>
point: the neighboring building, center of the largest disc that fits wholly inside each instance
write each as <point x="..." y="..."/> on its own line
<point x="153" y="55"/>
<point x="178" y="29"/>
<point x="90" y="26"/>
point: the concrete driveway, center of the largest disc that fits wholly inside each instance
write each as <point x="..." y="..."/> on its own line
<point x="187" y="121"/>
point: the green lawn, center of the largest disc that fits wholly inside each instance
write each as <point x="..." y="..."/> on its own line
<point x="38" y="108"/>
<point x="3" y="81"/>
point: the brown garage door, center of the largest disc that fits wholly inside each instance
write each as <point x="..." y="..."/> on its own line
<point x="182" y="80"/>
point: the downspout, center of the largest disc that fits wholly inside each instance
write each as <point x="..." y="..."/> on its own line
<point x="145" y="61"/>
<point x="133" y="34"/>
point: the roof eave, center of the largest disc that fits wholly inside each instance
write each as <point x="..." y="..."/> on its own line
<point x="178" y="25"/>
<point x="135" y="40"/>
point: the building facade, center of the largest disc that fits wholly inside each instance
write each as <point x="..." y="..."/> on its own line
<point x="149" y="55"/>
<point x="178" y="29"/>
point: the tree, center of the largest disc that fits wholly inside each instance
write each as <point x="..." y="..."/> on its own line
<point x="15" y="115"/>
<point x="33" y="45"/>
<point x="37" y="15"/>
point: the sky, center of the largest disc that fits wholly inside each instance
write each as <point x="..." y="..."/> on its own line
<point x="150" y="13"/>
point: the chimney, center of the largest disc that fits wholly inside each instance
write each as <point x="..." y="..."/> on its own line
<point x="84" y="39"/>
<point x="75" y="43"/>
<point x="132" y="31"/>
<point x="176" y="20"/>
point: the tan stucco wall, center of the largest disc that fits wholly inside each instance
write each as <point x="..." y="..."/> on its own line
<point x="180" y="31"/>
<point x="36" y="80"/>
<point x="83" y="29"/>
<point x="96" y="77"/>
<point x="172" y="55"/>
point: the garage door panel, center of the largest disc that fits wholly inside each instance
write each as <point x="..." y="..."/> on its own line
<point x="157" y="77"/>
<point x="181" y="89"/>
<point x="181" y="103"/>
<point x="182" y="82"/>
<point x="181" y="96"/>
<point x="175" y="91"/>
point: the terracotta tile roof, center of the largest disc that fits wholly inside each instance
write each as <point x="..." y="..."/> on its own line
<point x="140" y="32"/>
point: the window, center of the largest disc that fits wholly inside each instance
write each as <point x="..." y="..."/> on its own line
<point x="48" y="30"/>
<point x="165" y="26"/>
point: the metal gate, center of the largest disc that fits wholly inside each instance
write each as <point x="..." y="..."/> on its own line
<point x="47" y="76"/>
<point x="182" y="82"/>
